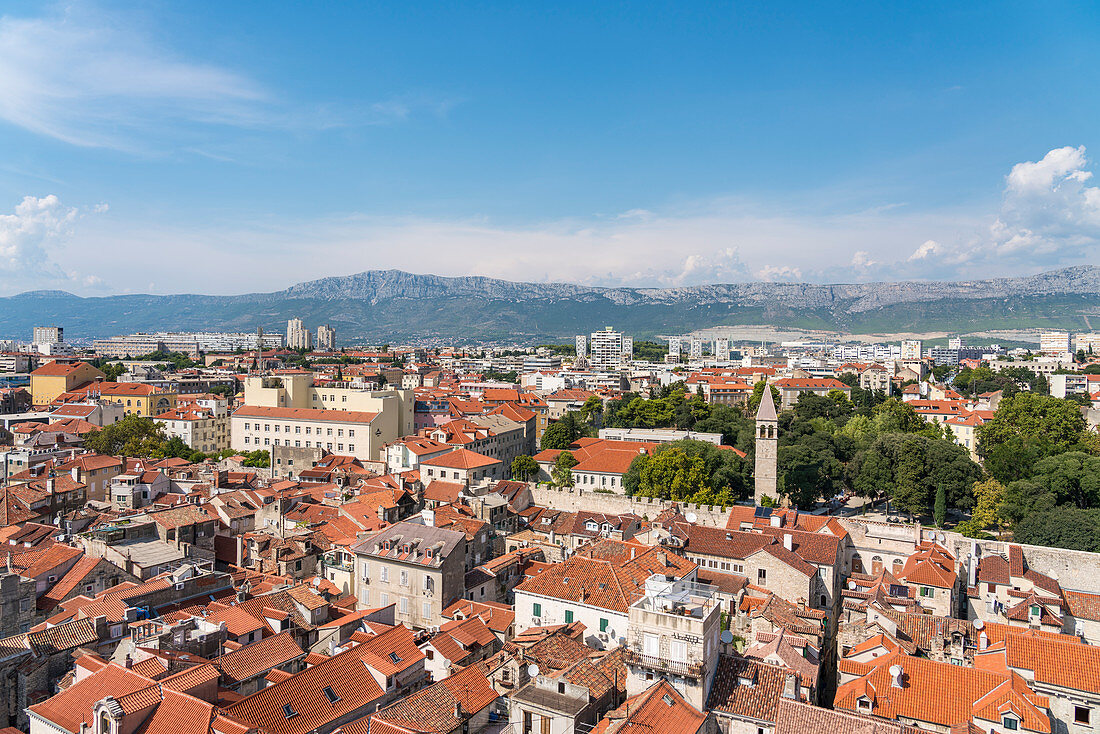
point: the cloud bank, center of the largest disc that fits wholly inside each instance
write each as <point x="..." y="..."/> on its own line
<point x="1049" y="216"/>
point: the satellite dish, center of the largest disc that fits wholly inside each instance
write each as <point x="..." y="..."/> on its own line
<point x="727" y="637"/>
<point x="895" y="670"/>
<point x="532" y="670"/>
<point x="851" y="585"/>
<point x="692" y="517"/>
<point x="978" y="624"/>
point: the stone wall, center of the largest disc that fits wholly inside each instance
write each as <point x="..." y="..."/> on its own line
<point x="576" y="499"/>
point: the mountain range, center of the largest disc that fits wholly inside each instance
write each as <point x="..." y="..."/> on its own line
<point x="392" y="305"/>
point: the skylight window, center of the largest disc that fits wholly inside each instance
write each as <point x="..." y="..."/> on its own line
<point x="330" y="694"/>
<point x="288" y="711"/>
<point x="394" y="658"/>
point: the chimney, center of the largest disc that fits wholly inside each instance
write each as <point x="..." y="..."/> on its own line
<point x="897" y="676"/>
<point x="75" y="473"/>
<point x="129" y="662"/>
<point x="788" y="541"/>
<point x="49" y="485"/>
<point x="790" y="686"/>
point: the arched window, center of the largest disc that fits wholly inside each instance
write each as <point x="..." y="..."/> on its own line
<point x="104" y="723"/>
<point x="876" y="564"/>
<point x="898" y="565"/>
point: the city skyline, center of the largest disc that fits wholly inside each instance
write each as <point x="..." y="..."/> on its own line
<point x="649" y="146"/>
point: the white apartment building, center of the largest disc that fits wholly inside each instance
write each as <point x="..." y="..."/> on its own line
<point x="722" y="349"/>
<point x="911" y="349"/>
<point x="326" y="338"/>
<point x="345" y="432"/>
<point x="675" y="347"/>
<point x="297" y="335"/>
<point x="607" y="349"/>
<point x="48" y="335"/>
<point x="1055" y="343"/>
<point x="295" y="389"/>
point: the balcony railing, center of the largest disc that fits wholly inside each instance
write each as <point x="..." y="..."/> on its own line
<point x="690" y="670"/>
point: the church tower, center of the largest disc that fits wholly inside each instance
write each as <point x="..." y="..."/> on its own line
<point x="767" y="448"/>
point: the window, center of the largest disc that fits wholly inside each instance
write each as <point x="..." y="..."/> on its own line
<point x="536" y="610"/>
<point x="1082" y="715"/>
<point x="384" y="573"/>
<point x="394" y="658"/>
<point x="383" y="599"/>
<point x="762" y="576"/>
<point x="427" y="610"/>
<point x="351" y="447"/>
<point x="603" y="624"/>
<point x="404" y="578"/>
<point x="288" y="711"/>
<point x="404" y="605"/>
<point x="927" y="591"/>
<point x="568" y="616"/>
<point x="1010" y="723"/>
<point x="330" y="694"/>
<point x="366" y="571"/>
<point x="651" y="645"/>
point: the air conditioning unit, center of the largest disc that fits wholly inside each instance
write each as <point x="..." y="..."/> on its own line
<point x="179" y="586"/>
<point x="603" y="637"/>
<point x="537" y="621"/>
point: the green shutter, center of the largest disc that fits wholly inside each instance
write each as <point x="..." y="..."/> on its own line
<point x="536" y="610"/>
<point x="603" y="624"/>
<point x="568" y="616"/>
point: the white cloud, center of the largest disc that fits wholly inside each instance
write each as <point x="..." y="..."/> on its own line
<point x="779" y="273"/>
<point x="25" y="237"/>
<point x="83" y="79"/>
<point x="95" y="79"/>
<point x="1048" y="218"/>
<point x="929" y="249"/>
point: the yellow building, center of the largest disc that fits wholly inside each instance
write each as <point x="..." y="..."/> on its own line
<point x="135" y="398"/>
<point x="50" y="380"/>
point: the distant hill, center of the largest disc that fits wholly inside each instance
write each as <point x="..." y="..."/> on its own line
<point x="392" y="305"/>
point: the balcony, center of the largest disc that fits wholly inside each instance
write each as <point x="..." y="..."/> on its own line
<point x="688" y="670"/>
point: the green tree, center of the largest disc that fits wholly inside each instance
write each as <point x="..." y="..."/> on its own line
<point x="132" y="436"/>
<point x="564" y="431"/>
<point x="673" y="474"/>
<point x="893" y="415"/>
<point x="1062" y="527"/>
<point x="524" y="468"/>
<point x="562" y="473"/>
<point x="939" y="511"/>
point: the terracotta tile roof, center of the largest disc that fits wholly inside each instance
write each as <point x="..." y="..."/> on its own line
<point x="68" y="583"/>
<point x="460" y="459"/>
<point x="298" y="704"/>
<point x="938" y="693"/>
<point x="498" y="617"/>
<point x="658" y="708"/>
<point x="795" y="717"/>
<point x="758" y="700"/>
<point x="1070" y="664"/>
<point x="608" y="575"/>
<point x="251" y="660"/>
<point x="432" y="710"/>
<point x="930" y="565"/>
<point x="740" y="545"/>
<point x="72" y="708"/>
<point x="1083" y="605"/>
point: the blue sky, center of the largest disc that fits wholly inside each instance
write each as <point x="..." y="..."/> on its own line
<point x="228" y="147"/>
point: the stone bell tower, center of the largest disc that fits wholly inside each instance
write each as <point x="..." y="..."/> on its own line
<point x="767" y="448"/>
